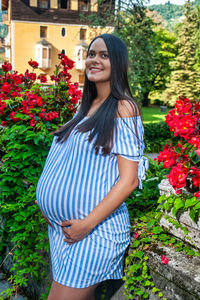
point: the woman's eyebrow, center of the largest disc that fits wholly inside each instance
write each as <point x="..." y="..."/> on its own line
<point x="101" y="51"/>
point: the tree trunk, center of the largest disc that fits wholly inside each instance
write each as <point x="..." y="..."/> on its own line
<point x="145" y="99"/>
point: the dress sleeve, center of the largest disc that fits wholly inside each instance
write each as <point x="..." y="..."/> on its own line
<point x="128" y="142"/>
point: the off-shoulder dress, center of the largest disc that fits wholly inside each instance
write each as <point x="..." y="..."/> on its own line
<point x="74" y="180"/>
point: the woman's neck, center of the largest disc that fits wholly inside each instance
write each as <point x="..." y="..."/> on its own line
<point x="103" y="91"/>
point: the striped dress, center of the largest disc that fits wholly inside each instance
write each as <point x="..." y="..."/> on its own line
<point x="74" y="180"/>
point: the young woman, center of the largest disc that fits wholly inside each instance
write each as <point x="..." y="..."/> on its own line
<point x="94" y="163"/>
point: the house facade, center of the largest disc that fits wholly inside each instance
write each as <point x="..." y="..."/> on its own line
<point x="41" y="29"/>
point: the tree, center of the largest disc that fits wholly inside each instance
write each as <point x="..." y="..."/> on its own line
<point x="185" y="78"/>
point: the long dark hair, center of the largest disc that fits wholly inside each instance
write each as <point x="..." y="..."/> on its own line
<point x="101" y="123"/>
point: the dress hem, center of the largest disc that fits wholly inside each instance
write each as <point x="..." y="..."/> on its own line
<point x="86" y="285"/>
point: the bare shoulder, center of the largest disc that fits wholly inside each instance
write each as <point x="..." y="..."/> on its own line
<point x="127" y="109"/>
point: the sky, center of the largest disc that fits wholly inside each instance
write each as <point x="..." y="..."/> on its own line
<point x="178" y="2"/>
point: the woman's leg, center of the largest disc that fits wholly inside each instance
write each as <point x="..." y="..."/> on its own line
<point x="62" y="292"/>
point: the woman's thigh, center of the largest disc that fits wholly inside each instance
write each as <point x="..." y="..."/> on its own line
<point x="62" y="292"/>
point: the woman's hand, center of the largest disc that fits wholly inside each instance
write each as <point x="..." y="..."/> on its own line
<point x="77" y="231"/>
<point x="47" y="220"/>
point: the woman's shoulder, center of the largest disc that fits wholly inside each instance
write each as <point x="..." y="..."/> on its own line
<point x="127" y="109"/>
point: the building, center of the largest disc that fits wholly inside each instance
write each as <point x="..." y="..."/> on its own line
<point x="41" y="29"/>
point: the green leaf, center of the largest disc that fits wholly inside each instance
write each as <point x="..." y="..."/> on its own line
<point x="192" y="214"/>
<point x="191" y="202"/>
<point x="174" y="211"/>
<point x="178" y="203"/>
<point x="197" y="206"/>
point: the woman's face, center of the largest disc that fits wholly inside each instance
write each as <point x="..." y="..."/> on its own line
<point x="98" y="67"/>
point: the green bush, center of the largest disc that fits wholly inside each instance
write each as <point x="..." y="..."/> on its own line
<point x="29" y="113"/>
<point x="156" y="135"/>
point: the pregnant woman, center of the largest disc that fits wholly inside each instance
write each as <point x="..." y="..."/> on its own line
<point x="95" y="162"/>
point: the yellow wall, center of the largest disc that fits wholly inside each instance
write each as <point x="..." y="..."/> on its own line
<point x="24" y="44"/>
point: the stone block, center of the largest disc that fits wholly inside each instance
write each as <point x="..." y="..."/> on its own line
<point x="184" y="220"/>
<point x="180" y="278"/>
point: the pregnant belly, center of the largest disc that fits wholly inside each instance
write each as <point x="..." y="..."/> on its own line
<point x="59" y="202"/>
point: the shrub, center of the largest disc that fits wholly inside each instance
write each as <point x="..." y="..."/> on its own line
<point x="156" y="136"/>
<point x="29" y="112"/>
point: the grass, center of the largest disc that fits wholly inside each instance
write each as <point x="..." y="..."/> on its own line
<point x="152" y="114"/>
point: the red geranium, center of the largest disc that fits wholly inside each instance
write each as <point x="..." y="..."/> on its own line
<point x="33" y="64"/>
<point x="184" y="121"/>
<point x="19" y="94"/>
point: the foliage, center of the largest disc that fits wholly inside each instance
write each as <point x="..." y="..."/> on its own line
<point x="171" y="13"/>
<point x="185" y="78"/>
<point x="29" y="113"/>
<point x="156" y="135"/>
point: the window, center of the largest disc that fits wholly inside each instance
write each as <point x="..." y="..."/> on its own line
<point x="64" y="4"/>
<point x="44" y="53"/>
<point x="81" y="79"/>
<point x="43" y="3"/>
<point x="63" y="31"/>
<point x="83" y="34"/>
<point x="33" y="3"/>
<point x="54" y="4"/>
<point x="43" y="31"/>
<point x="84" y="5"/>
<point x="84" y="54"/>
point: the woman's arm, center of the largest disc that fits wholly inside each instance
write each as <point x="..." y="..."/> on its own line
<point x="121" y="190"/>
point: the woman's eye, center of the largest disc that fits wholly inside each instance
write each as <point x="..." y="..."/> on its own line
<point x="105" y="55"/>
<point x="91" y="54"/>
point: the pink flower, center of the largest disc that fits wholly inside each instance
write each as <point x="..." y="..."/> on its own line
<point x="164" y="259"/>
<point x="136" y="235"/>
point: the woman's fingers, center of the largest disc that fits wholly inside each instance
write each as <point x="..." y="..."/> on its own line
<point x="65" y="223"/>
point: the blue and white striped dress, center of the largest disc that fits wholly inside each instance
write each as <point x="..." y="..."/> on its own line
<point x="73" y="182"/>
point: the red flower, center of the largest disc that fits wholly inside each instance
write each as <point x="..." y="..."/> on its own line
<point x="6" y="67"/>
<point x="39" y="101"/>
<point x="4" y="123"/>
<point x="33" y="64"/>
<point x="177" y="176"/>
<point x="197" y="194"/>
<point x="32" y="122"/>
<point x="198" y="151"/>
<point x="6" y="87"/>
<point x="196" y="178"/>
<point x="43" y="78"/>
<point x="12" y="117"/>
<point x="70" y="107"/>
<point x="51" y="115"/>
<point x="168" y="157"/>
<point x="2" y="107"/>
<point x="164" y="259"/>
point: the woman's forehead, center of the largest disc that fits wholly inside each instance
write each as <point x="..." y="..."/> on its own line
<point x="99" y="45"/>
